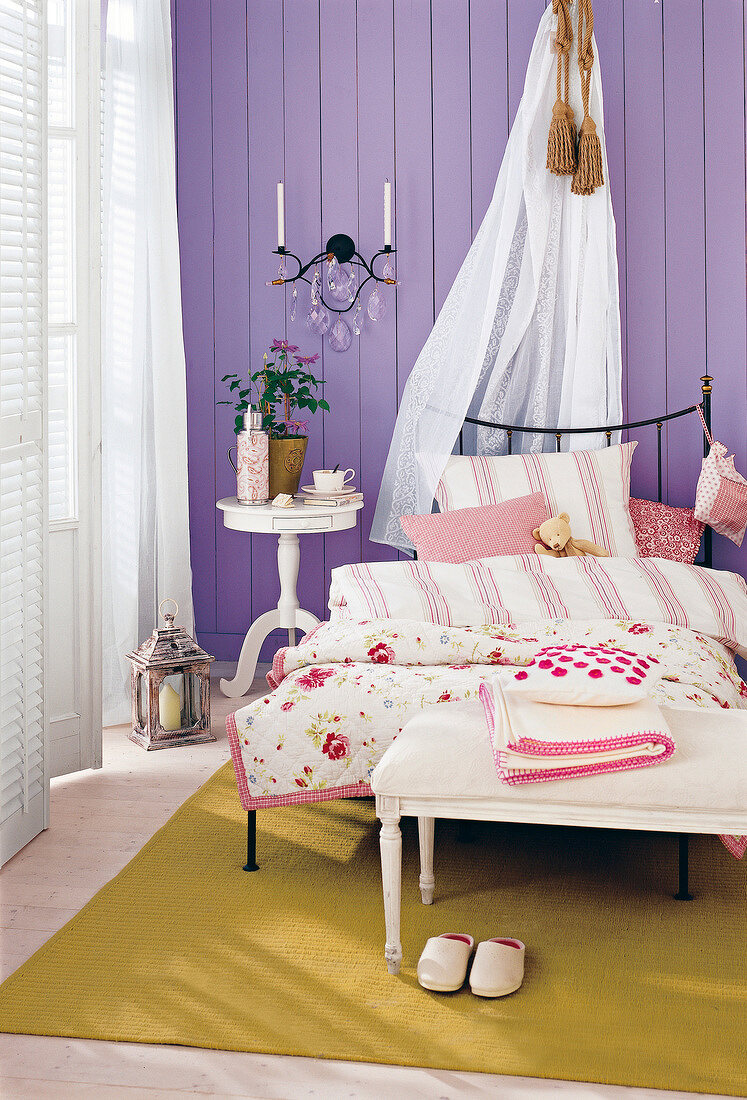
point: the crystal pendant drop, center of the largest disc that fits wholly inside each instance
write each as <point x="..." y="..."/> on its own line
<point x="388" y="271"/>
<point x="315" y="284"/>
<point x="357" y="320"/>
<point x="282" y="269"/>
<point x="341" y="281"/>
<point x="293" y="303"/>
<point x="340" y="337"/>
<point x="317" y="320"/>
<point x="376" y="305"/>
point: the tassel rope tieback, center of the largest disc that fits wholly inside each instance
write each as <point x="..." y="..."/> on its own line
<point x="589" y="172"/>
<point x="561" y="140"/>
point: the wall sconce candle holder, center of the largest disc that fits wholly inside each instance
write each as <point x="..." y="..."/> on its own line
<point x="339" y="276"/>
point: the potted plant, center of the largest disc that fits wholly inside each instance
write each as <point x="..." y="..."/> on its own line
<point x="282" y="387"/>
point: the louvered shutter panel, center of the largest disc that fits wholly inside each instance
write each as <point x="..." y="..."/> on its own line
<point x="23" y="780"/>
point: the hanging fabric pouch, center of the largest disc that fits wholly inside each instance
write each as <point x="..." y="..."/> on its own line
<point x="721" y="495"/>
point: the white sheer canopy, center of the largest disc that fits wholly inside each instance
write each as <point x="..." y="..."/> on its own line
<point x="145" y="506"/>
<point x="530" y="331"/>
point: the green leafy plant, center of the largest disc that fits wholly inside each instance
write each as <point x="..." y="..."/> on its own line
<point x="282" y="387"/>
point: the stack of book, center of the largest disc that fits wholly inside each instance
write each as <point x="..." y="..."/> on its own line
<point x="334" y="500"/>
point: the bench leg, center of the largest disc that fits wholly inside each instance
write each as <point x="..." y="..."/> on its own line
<point x="251" y="842"/>
<point x="427" y="880"/>
<point x="390" y="841"/>
<point x="683" y="892"/>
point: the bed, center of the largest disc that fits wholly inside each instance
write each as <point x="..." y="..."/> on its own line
<point x="407" y="635"/>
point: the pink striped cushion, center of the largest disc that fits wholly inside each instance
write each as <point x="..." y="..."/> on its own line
<point x="593" y="487"/>
<point x="665" y="532"/>
<point x="467" y="534"/>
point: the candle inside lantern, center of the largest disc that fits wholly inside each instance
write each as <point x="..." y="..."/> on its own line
<point x="387" y="214"/>
<point x="169" y="708"/>
<point x="281" y="216"/>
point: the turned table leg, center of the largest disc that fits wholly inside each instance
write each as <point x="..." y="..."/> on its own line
<point x="288" y="615"/>
<point x="390" y="841"/>
<point x="427" y="880"/>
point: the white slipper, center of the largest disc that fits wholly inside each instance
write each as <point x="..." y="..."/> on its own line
<point x="443" y="964"/>
<point x="498" y="968"/>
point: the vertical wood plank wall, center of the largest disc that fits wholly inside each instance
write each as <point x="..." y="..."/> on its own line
<point x="335" y="95"/>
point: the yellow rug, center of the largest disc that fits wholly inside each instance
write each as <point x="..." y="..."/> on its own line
<point x="623" y="984"/>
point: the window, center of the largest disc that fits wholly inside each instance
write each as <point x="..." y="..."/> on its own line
<point x="72" y="243"/>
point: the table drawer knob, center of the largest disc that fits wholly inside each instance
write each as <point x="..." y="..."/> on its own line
<point x="313" y="523"/>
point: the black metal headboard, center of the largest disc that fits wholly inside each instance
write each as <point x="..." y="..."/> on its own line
<point x="609" y="429"/>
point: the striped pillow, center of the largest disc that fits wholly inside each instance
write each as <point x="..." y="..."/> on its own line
<point x="467" y="534"/>
<point x="593" y="487"/>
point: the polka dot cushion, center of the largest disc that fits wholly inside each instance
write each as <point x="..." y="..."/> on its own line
<point x="579" y="675"/>
<point x="662" y="531"/>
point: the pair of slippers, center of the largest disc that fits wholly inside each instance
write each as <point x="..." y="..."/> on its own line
<point x="498" y="968"/>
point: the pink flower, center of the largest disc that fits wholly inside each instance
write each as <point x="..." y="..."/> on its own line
<point x="336" y="745"/>
<point x="381" y="654"/>
<point x="521" y="675"/>
<point x="282" y="345"/>
<point x="314" y="678"/>
<point x="632" y="680"/>
<point x="560" y="672"/>
<point x="639" y="628"/>
<point x="288" y="705"/>
<point x="595" y="673"/>
<point x="307" y="360"/>
<point x="444" y="698"/>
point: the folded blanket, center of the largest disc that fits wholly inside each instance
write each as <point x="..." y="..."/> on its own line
<point x="535" y="742"/>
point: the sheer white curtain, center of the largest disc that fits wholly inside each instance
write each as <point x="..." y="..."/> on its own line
<point x="530" y="331"/>
<point x="145" y="506"/>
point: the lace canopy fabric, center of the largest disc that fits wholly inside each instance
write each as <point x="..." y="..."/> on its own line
<point x="530" y="331"/>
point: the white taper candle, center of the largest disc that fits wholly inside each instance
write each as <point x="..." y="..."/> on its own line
<point x="387" y="214"/>
<point x="281" y="216"/>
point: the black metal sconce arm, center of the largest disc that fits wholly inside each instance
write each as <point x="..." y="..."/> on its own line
<point x="342" y="247"/>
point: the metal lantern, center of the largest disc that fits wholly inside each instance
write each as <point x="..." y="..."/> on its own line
<point x="170" y="688"/>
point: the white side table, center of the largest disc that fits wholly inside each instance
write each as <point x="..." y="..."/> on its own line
<point x="287" y="524"/>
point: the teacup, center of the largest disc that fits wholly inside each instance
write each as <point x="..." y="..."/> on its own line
<point x="332" y="481"/>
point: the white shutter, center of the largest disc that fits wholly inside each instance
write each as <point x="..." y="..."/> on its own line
<point x="24" y="787"/>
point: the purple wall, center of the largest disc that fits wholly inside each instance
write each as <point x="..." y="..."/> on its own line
<point x="333" y="96"/>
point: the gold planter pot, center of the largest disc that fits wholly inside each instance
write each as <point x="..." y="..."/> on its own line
<point x="286" y="463"/>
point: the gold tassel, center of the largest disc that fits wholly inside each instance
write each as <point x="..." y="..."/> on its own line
<point x="589" y="172"/>
<point x="561" y="141"/>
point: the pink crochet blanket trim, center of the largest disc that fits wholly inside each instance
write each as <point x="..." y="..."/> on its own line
<point x="737" y="845"/>
<point x="353" y="790"/>
<point x="570" y="748"/>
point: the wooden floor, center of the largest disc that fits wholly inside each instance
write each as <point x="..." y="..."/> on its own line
<point x="87" y="844"/>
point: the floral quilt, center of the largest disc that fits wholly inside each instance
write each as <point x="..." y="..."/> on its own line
<point x="340" y="697"/>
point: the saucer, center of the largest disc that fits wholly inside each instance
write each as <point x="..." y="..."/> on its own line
<point x="314" y="492"/>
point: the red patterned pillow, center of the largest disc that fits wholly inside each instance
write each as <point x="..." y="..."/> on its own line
<point x="580" y="675"/>
<point x="665" y="532"/>
<point x="466" y="534"/>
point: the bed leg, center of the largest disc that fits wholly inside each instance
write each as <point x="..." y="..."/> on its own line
<point x="251" y="842"/>
<point x="683" y="893"/>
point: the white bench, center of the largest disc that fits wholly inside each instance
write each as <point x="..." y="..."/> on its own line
<point x="441" y="765"/>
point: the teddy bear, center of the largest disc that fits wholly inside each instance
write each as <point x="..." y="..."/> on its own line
<point x="554" y="539"/>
